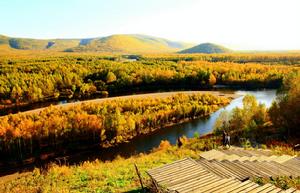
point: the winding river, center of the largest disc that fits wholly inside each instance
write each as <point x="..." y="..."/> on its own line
<point x="201" y="126"/>
<point x="171" y="133"/>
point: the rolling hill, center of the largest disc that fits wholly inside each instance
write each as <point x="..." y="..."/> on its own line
<point x="115" y="43"/>
<point x="207" y="48"/>
<point x="129" y="44"/>
<point x="38" y="44"/>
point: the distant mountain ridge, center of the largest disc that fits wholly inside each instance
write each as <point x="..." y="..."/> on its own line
<point x="207" y="48"/>
<point x="38" y="44"/>
<point x="119" y="43"/>
<point x="123" y="43"/>
<point x="129" y="43"/>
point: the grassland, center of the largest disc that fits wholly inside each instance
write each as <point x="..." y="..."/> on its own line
<point x="96" y="176"/>
<point x="118" y="175"/>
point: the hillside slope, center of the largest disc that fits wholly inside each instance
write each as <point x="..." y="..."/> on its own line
<point x="129" y="44"/>
<point x="37" y="44"/>
<point x="114" y="43"/>
<point x="207" y="48"/>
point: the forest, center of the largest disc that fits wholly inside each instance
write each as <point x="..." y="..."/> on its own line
<point x="27" y="138"/>
<point x="25" y="80"/>
<point x="259" y="124"/>
<point x="262" y="58"/>
<point x="57" y="129"/>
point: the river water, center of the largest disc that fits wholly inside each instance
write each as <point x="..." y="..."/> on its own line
<point x="201" y="125"/>
<point x="171" y="133"/>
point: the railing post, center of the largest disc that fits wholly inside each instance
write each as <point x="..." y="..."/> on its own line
<point x="139" y="175"/>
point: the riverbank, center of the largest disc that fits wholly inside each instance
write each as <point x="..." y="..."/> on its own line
<point x="98" y="176"/>
<point x="118" y="175"/>
<point x="230" y="95"/>
<point x="57" y="131"/>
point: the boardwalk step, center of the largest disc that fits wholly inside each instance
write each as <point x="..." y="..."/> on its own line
<point x="226" y="171"/>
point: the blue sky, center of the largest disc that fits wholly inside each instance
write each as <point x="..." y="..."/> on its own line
<point x="238" y="24"/>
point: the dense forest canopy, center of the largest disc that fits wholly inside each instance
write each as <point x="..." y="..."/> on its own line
<point x="262" y="58"/>
<point x="57" y="129"/>
<point x="27" y="79"/>
<point x="36" y="79"/>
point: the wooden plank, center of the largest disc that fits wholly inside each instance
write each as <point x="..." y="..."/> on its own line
<point x="212" y="154"/>
<point x="229" y="170"/>
<point x="198" y="185"/>
<point x="260" y="188"/>
<point x="169" y="165"/>
<point x="260" y="167"/>
<point x="176" y="171"/>
<point x="221" y="186"/>
<point x="237" y="169"/>
<point x="243" y="187"/>
<point x="293" y="167"/>
<point x="288" y="169"/>
<point x="238" y="186"/>
<point x="182" y="165"/>
<point x="264" y="166"/>
<point x="178" y="166"/>
<point x="293" y="164"/>
<point x="276" y="190"/>
<point x="259" y="152"/>
<point x="251" y="187"/>
<point x="222" y="167"/>
<point x="229" y="157"/>
<point x="236" y="173"/>
<point x="182" y="168"/>
<point x="179" y="176"/>
<point x="210" y="186"/>
<point x="192" y="182"/>
<point x="254" y="168"/>
<point x="290" y="190"/>
<point x="188" y="178"/>
<point x="248" y="187"/>
<point x="235" y="184"/>
<point x="210" y="166"/>
<point x="277" y="169"/>
<point x="250" y="171"/>
<point x="271" y="188"/>
<point x="188" y="175"/>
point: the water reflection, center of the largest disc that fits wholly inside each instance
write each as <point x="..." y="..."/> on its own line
<point x="201" y="126"/>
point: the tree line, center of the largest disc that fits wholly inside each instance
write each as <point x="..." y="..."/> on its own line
<point x="262" y="58"/>
<point x="257" y="123"/>
<point x="28" y="80"/>
<point x="57" y="129"/>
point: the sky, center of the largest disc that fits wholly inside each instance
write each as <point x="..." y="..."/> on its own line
<point x="237" y="24"/>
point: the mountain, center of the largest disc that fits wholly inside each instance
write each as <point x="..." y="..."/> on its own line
<point x="134" y="43"/>
<point x="3" y="40"/>
<point x="207" y="48"/>
<point x="38" y="44"/>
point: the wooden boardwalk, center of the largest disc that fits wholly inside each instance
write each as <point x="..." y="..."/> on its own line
<point x="242" y="155"/>
<point x="216" y="172"/>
